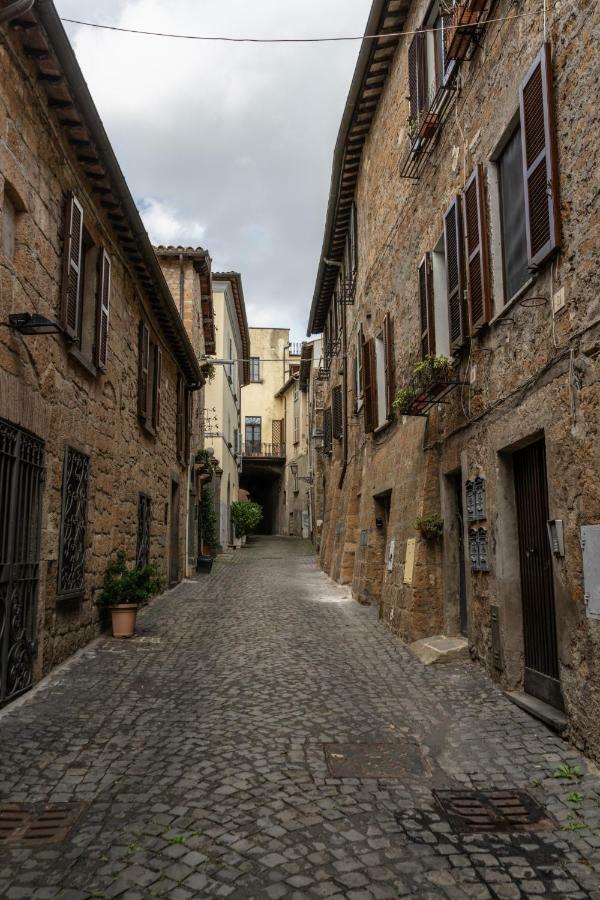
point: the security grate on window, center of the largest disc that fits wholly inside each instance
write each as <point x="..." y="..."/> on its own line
<point x="142" y="556"/>
<point x="71" y="566"/>
<point x="337" y="414"/>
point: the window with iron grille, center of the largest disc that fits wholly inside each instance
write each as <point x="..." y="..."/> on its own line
<point x="336" y="412"/>
<point x="71" y="563"/>
<point x="142" y="555"/>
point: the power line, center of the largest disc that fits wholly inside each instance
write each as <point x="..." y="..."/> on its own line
<point x="314" y="40"/>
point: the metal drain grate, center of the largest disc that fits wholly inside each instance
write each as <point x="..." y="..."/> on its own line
<point x="25" y="827"/>
<point x="485" y="811"/>
<point x="382" y="759"/>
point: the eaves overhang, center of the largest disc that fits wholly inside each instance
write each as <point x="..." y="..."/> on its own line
<point x="387" y="17"/>
<point x="44" y="42"/>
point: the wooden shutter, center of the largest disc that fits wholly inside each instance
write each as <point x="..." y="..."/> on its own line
<point x="426" y="306"/>
<point x="327" y="430"/>
<point x="337" y="414"/>
<point x="103" y="311"/>
<point x="453" y="243"/>
<point x="72" y="267"/>
<point x="540" y="174"/>
<point x="390" y="380"/>
<point x="417" y="74"/>
<point x="156" y="393"/>
<point x="187" y="438"/>
<point x="143" y="367"/>
<point x="370" y="385"/>
<point x="479" y="298"/>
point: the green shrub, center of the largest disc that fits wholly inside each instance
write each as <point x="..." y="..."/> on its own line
<point x="431" y="527"/>
<point x="208" y="519"/>
<point x="124" y="585"/>
<point x="246" y="517"/>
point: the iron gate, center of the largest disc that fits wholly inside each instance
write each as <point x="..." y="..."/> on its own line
<point x="21" y="485"/>
<point x="537" y="582"/>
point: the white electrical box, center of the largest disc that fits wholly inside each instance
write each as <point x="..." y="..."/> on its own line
<point x="558" y="300"/>
<point x="390" y="555"/>
<point x="590" y="546"/>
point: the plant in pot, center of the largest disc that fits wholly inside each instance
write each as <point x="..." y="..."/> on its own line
<point x="431" y="527"/>
<point x="208" y="530"/>
<point x="124" y="590"/>
<point x="404" y="400"/>
<point x="246" y="518"/>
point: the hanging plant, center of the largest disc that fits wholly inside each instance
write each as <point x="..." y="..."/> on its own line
<point x="431" y="527"/>
<point x="433" y="368"/>
<point x="404" y="400"/>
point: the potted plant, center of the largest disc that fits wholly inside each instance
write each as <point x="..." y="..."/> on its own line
<point x="124" y="590"/>
<point x="431" y="527"/>
<point x="246" y="518"/>
<point x="404" y="400"/>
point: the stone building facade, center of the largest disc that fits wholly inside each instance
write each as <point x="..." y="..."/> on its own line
<point x="97" y="389"/>
<point x="461" y="227"/>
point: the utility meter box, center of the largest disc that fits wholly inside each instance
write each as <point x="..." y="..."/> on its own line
<point x="590" y="546"/>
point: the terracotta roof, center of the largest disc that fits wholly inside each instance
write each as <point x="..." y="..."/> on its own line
<point x="370" y="76"/>
<point x="49" y="54"/>
<point x="235" y="280"/>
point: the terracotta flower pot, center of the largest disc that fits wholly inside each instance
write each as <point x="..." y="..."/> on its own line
<point x="123" y="619"/>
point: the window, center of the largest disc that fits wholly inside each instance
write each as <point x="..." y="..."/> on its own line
<point x="255" y="369"/>
<point x="440" y="301"/>
<point x="183" y="421"/>
<point x="12" y="209"/>
<point x="296" y="429"/>
<point x="455" y="275"/>
<point x="86" y="289"/>
<point x="358" y="372"/>
<point x="327" y="431"/>
<point x="142" y="555"/>
<point x="379" y="377"/>
<point x="337" y="414"/>
<point x="253" y="426"/>
<point x="512" y="216"/>
<point x="71" y="562"/>
<point x="149" y="379"/>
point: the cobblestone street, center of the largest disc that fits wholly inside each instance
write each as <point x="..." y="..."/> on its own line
<point x="198" y="752"/>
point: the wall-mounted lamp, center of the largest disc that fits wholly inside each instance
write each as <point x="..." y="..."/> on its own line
<point x="294" y="469"/>
<point x="25" y="323"/>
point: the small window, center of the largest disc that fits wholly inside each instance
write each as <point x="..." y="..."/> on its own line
<point x="381" y="380"/>
<point x="512" y="216"/>
<point x="253" y="425"/>
<point x="71" y="558"/>
<point x="296" y="429"/>
<point x="358" y="372"/>
<point x="255" y="369"/>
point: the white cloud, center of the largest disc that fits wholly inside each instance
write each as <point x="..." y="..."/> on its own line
<point x="165" y="226"/>
<point x="230" y="144"/>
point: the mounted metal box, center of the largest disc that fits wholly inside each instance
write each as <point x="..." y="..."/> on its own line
<point x="590" y="546"/>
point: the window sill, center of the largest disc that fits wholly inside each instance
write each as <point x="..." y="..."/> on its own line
<point x="149" y="429"/>
<point x="83" y="361"/>
<point x="381" y="428"/>
<point x="513" y="301"/>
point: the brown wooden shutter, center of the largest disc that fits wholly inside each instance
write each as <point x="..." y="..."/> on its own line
<point x="417" y="74"/>
<point x="390" y="365"/>
<point x="479" y="297"/>
<point x="103" y="311"/>
<point x="337" y="415"/>
<point x="188" y="409"/>
<point x="327" y="447"/>
<point x="156" y="398"/>
<point x="540" y="170"/>
<point x="72" y="267"/>
<point x="370" y="385"/>
<point x="143" y="367"/>
<point x="453" y="243"/>
<point x="426" y="306"/>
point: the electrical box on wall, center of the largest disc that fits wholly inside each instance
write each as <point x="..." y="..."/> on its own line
<point x="390" y="555"/>
<point x="556" y="536"/>
<point x="590" y="546"/>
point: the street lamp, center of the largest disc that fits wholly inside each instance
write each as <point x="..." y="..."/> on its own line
<point x="294" y="469"/>
<point x="25" y="323"/>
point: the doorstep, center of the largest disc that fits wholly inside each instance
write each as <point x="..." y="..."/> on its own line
<point x="441" y="649"/>
<point x="547" y="714"/>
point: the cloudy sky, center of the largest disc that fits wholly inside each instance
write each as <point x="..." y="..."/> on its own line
<point x="227" y="146"/>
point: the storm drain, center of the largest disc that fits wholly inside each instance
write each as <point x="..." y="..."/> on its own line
<point x="21" y="827"/>
<point x="485" y="811"/>
<point x="383" y="759"/>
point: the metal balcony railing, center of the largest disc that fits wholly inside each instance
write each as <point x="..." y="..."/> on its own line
<point x="256" y="450"/>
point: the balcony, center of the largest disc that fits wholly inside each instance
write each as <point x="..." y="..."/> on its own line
<point x="256" y="450"/>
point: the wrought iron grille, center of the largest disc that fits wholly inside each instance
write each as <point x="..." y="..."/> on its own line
<point x="142" y="556"/>
<point x="71" y="567"/>
<point x="21" y="486"/>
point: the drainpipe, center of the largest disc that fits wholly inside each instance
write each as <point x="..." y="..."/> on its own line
<point x="19" y="8"/>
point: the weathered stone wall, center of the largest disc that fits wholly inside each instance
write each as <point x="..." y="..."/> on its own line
<point x="525" y="375"/>
<point x="45" y="389"/>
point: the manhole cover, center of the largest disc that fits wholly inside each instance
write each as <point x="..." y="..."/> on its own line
<point x="23" y="827"/>
<point x="481" y="811"/>
<point x="385" y="759"/>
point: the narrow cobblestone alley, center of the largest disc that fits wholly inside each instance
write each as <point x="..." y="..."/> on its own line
<point x="198" y="753"/>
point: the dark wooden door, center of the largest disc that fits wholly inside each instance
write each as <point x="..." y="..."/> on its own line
<point x="537" y="584"/>
<point x="174" y="543"/>
<point x="460" y="550"/>
<point x="21" y="485"/>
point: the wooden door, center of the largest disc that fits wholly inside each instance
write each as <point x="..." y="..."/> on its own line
<point x="174" y="541"/>
<point x="537" y="583"/>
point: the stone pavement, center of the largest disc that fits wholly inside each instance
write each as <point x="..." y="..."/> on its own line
<point x="198" y="751"/>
